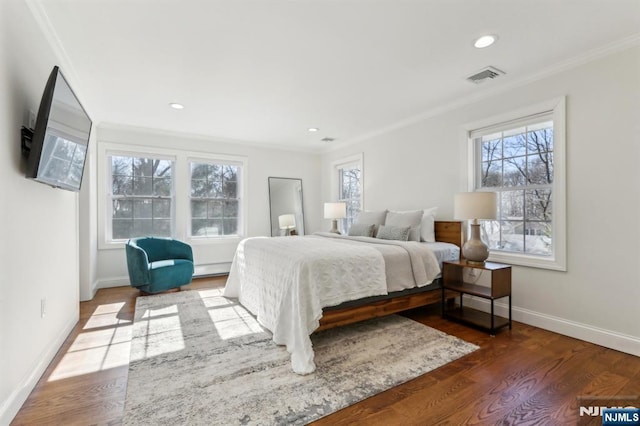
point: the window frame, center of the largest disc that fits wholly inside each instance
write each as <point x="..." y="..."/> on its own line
<point x="109" y="196"/>
<point x="181" y="228"/>
<point x="556" y="109"/>
<point x="337" y="166"/>
<point x="239" y="197"/>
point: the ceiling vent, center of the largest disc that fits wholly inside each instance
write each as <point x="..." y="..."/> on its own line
<point x="489" y="73"/>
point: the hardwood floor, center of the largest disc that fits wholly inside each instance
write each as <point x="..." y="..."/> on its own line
<point x="523" y="376"/>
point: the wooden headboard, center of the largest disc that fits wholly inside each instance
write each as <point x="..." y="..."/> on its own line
<point x="449" y="232"/>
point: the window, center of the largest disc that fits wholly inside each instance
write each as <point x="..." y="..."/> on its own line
<point x="522" y="160"/>
<point x="517" y="163"/>
<point x="350" y="190"/>
<point x="192" y="196"/>
<point x="141" y="197"/>
<point x="215" y="201"/>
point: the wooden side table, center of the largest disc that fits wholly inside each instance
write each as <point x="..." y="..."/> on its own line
<point x="500" y="286"/>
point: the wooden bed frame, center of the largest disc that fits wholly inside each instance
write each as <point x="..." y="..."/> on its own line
<point x="446" y="232"/>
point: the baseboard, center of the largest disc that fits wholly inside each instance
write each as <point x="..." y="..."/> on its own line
<point x="92" y="292"/>
<point x="10" y="407"/>
<point x="94" y="289"/>
<point x="599" y="336"/>
<point x="112" y="282"/>
<point x="200" y="271"/>
<point x="212" y="269"/>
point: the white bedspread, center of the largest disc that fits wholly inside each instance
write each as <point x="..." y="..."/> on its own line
<point x="286" y="281"/>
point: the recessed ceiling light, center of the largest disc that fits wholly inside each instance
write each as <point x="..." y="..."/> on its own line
<point x="175" y="105"/>
<point x="313" y="129"/>
<point x="485" y="41"/>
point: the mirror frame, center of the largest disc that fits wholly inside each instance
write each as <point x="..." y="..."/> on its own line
<point x="300" y="227"/>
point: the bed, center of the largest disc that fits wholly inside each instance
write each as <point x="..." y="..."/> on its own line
<point x="298" y="285"/>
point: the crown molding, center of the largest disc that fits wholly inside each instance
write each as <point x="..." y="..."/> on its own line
<point x="44" y="23"/>
<point x="125" y="128"/>
<point x="573" y="62"/>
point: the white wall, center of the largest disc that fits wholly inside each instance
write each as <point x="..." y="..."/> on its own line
<point x="88" y="241"/>
<point x="597" y="299"/>
<point x="39" y="237"/>
<point x="262" y="163"/>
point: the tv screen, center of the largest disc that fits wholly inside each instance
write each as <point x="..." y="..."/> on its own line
<point x="60" y="138"/>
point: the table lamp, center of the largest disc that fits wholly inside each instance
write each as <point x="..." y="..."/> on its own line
<point x="475" y="205"/>
<point x="287" y="222"/>
<point x="335" y="211"/>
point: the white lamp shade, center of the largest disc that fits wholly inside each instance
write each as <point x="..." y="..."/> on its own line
<point x="475" y="205"/>
<point x="335" y="210"/>
<point x="287" y="221"/>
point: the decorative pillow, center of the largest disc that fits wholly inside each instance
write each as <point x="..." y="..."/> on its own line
<point x="375" y="218"/>
<point x="390" y="232"/>
<point x="427" y="227"/>
<point x="361" y="230"/>
<point x="408" y="218"/>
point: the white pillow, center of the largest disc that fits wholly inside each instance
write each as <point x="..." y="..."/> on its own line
<point x="427" y="227"/>
<point x="361" y="230"/>
<point x="410" y="218"/>
<point x="375" y="218"/>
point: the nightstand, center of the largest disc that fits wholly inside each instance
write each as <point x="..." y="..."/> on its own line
<point x="499" y="287"/>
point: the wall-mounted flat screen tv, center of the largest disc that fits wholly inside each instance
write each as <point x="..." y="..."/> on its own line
<point x="60" y="138"/>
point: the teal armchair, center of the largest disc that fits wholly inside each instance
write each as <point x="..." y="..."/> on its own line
<point x="158" y="264"/>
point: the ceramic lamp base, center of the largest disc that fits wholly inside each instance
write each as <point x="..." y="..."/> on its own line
<point x="474" y="250"/>
<point x="334" y="227"/>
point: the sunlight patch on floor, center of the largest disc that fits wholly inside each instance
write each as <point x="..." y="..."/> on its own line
<point x="91" y="360"/>
<point x="211" y="292"/>
<point x="108" y="308"/>
<point x="162" y="331"/>
<point x="230" y="319"/>
<point x="104" y="343"/>
<point x="105" y="319"/>
<point x="159" y="312"/>
<point x="103" y="337"/>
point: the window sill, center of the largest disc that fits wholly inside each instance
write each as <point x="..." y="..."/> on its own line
<point x="112" y="245"/>
<point x="197" y="241"/>
<point x="551" y="263"/>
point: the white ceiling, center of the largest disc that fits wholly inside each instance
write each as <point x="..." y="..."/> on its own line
<point x="263" y="71"/>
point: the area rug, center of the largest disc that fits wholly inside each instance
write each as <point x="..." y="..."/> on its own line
<point x="198" y="358"/>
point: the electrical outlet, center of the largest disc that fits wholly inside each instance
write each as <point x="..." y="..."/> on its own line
<point x="43" y="308"/>
<point x="473" y="273"/>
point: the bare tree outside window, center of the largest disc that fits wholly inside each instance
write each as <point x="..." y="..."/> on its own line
<point x="141" y="197"/>
<point x="350" y="193"/>
<point x="215" y="203"/>
<point x="518" y="164"/>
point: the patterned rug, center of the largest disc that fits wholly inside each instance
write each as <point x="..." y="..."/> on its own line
<point x="199" y="358"/>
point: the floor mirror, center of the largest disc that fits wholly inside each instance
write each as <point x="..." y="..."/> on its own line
<point x="285" y="203"/>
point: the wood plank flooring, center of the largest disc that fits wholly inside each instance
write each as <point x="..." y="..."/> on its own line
<point x="519" y="377"/>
